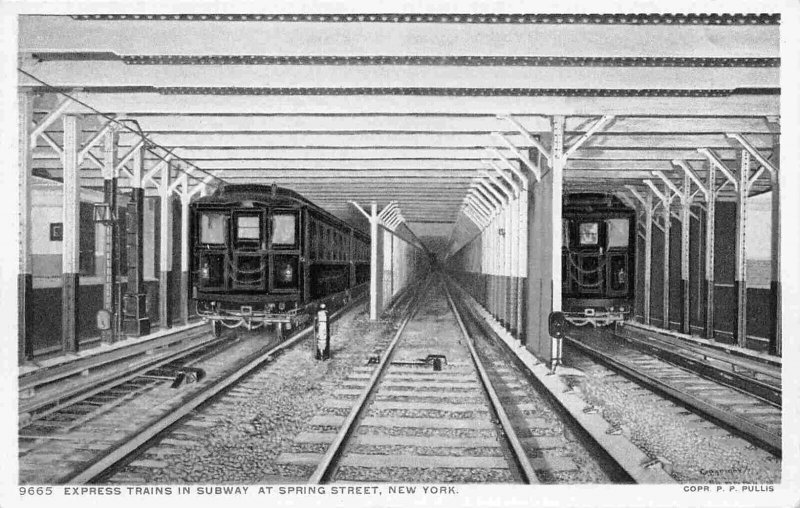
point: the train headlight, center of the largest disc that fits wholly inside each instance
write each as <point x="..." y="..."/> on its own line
<point x="281" y="306"/>
<point x="286" y="273"/>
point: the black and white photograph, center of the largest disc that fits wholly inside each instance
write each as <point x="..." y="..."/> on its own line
<point x="413" y="254"/>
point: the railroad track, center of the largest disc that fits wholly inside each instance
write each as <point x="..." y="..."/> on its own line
<point x="430" y="410"/>
<point x="81" y="442"/>
<point x="712" y="392"/>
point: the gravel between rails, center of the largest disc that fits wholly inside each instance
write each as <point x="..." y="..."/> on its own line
<point x="698" y="451"/>
<point x="547" y="423"/>
<point x="236" y="437"/>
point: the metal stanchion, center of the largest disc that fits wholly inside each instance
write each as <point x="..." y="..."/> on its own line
<point x="557" y="325"/>
<point x="323" y="334"/>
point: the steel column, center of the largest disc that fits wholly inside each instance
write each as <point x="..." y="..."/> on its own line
<point x="70" y="255"/>
<point x="165" y="264"/>
<point x="136" y="322"/>
<point x="386" y="268"/>
<point x="522" y="252"/>
<point x="507" y="271"/>
<point x="666" y="205"/>
<point x="375" y="264"/>
<point x="110" y="251"/>
<point x="740" y="278"/>
<point x="25" y="280"/>
<point x="711" y="206"/>
<point x="775" y="339"/>
<point x="558" y="159"/>
<point x="648" y="253"/>
<point x="186" y="198"/>
<point x="686" y="203"/>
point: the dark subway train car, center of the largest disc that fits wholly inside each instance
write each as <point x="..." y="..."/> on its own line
<point x="266" y="255"/>
<point x="597" y="259"/>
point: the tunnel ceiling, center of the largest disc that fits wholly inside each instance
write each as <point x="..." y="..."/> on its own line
<point x="405" y="107"/>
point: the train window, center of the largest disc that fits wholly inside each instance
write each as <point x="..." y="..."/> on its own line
<point x="248" y="227"/>
<point x="588" y="233"/>
<point x="617" y="232"/>
<point x="284" y="229"/>
<point x="212" y="228"/>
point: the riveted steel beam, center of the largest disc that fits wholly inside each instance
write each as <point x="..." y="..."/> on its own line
<point x="521" y="156"/>
<point x="514" y="169"/>
<point x="529" y="138"/>
<point x="48" y="120"/>
<point x="753" y="152"/>
<point x="692" y="174"/>
<point x="714" y="159"/>
<point x="589" y="133"/>
<point x="514" y="187"/>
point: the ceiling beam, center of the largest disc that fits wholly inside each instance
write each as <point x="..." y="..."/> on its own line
<point x="116" y="74"/>
<point x="440" y="123"/>
<point x="138" y="103"/>
<point x="141" y="37"/>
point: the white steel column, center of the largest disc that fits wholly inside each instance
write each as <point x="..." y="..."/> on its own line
<point x="375" y="264"/>
<point x="740" y="277"/>
<point x="25" y="280"/>
<point x="136" y="322"/>
<point x="70" y="255"/>
<point x="522" y="253"/>
<point x="648" y="253"/>
<point x="558" y="160"/>
<point x="666" y="205"/>
<point x="686" y="203"/>
<point x="165" y="257"/>
<point x="776" y="342"/>
<point x="386" y="272"/>
<point x="110" y="248"/>
<point x="710" y="245"/>
<point x="186" y="198"/>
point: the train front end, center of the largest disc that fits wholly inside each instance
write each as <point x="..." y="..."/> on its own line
<point x="597" y="259"/>
<point x="247" y="268"/>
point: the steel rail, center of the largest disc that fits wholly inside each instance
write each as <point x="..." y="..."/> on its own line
<point x="766" y="392"/>
<point x="769" y="439"/>
<point x="329" y="461"/>
<point x="528" y="472"/>
<point x="135" y="367"/>
<point x="119" y="453"/>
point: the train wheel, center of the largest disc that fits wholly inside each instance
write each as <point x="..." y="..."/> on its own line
<point x="216" y="328"/>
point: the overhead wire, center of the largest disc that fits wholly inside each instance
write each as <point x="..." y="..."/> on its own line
<point x="122" y="122"/>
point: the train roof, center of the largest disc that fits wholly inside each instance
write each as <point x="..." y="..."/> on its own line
<point x="271" y="194"/>
<point x="594" y="201"/>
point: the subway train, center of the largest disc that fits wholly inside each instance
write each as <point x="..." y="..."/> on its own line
<point x="266" y="255"/>
<point x="598" y="259"/>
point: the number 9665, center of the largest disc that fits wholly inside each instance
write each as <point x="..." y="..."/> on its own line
<point x="35" y="491"/>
